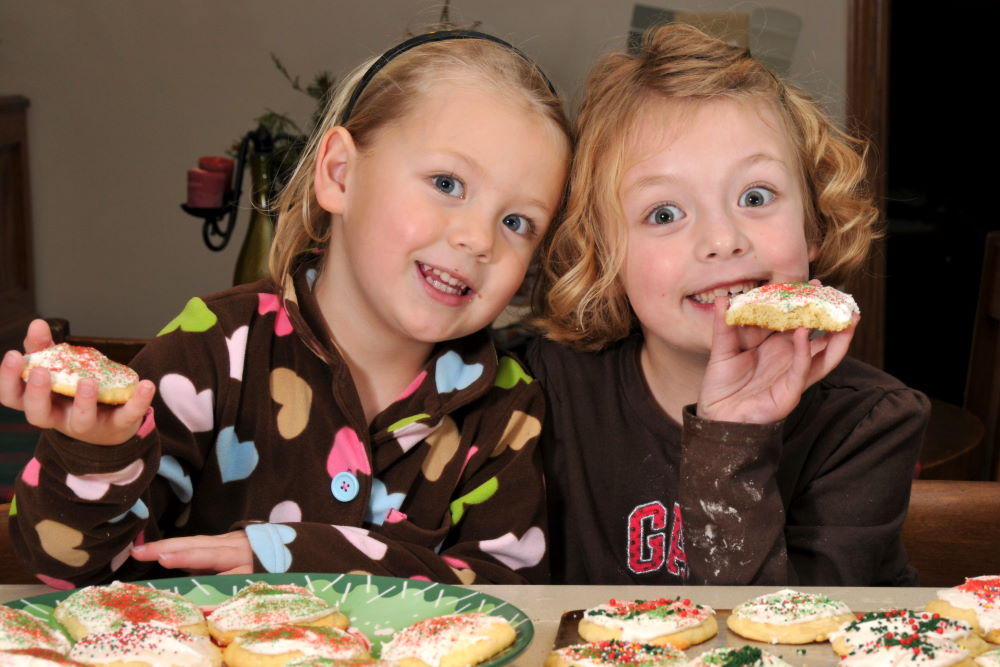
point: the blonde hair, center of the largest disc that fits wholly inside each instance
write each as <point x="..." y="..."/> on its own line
<point x="580" y="298"/>
<point x="388" y="96"/>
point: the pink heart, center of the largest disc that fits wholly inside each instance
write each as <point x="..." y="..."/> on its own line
<point x="359" y="537"/>
<point x="269" y="303"/>
<point x="120" y="559"/>
<point x="58" y="584"/>
<point x="347" y="454"/>
<point x="468" y="457"/>
<point x="148" y="424"/>
<point x="94" y="486"/>
<point x="30" y="472"/>
<point x="412" y="387"/>
<point x="237" y="346"/>
<point x="395" y="516"/>
<point x="517" y="553"/>
<point x="414" y="433"/>
<point x="194" y="409"/>
<point x="455" y="563"/>
<point x="419" y="577"/>
<point x="287" y="511"/>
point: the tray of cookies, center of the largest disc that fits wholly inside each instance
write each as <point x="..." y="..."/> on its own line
<point x="240" y="619"/>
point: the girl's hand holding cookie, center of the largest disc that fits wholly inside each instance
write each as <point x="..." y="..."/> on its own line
<point x="762" y="380"/>
<point x="80" y="418"/>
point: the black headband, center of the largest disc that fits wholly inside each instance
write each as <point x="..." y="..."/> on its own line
<point x="439" y="36"/>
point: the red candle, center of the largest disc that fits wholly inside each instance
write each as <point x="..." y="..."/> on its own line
<point x="220" y="164"/>
<point x="205" y="188"/>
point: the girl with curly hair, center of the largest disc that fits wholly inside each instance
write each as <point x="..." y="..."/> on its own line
<point x="680" y="449"/>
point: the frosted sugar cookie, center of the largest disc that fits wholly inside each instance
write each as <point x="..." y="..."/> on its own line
<point x="67" y="364"/>
<point x="350" y="662"/>
<point x="262" y="605"/>
<point x="873" y="625"/>
<point x="989" y="659"/>
<point x="21" y="630"/>
<point x="789" y="617"/>
<point x="729" y="656"/>
<point x="907" y="649"/>
<point x="612" y="653"/>
<point x="676" y="622"/>
<point x="273" y="647"/>
<point x="146" y="644"/>
<point x="103" y="608"/>
<point x="783" y="306"/>
<point x="977" y="602"/>
<point x="453" y="640"/>
<point x="36" y="657"/>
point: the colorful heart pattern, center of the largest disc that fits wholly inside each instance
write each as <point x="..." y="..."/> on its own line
<point x="269" y="303"/>
<point x="94" y="486"/>
<point x="237" y="348"/>
<point x="443" y="444"/>
<point x="381" y="502"/>
<point x="294" y="395"/>
<point x="520" y="429"/>
<point x="408" y="432"/>
<point x="236" y="459"/>
<point x="287" y="511"/>
<point x="364" y="542"/>
<point x="451" y="373"/>
<point x="61" y="542"/>
<point x="195" y="318"/>
<point x="31" y="472"/>
<point x="139" y="509"/>
<point x="478" y="495"/>
<point x="347" y="454"/>
<point x="509" y="373"/>
<point x="194" y="409"/>
<point x="517" y="553"/>
<point x="171" y="470"/>
<point x="268" y="542"/>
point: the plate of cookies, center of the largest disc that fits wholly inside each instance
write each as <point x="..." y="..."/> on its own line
<point x="272" y="619"/>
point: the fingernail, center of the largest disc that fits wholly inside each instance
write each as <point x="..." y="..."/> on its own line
<point x="139" y="548"/>
<point x="9" y="359"/>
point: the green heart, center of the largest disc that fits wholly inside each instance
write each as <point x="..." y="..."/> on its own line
<point x="406" y="421"/>
<point x="13" y="506"/>
<point x="480" y="494"/>
<point x="509" y="373"/>
<point x="196" y="317"/>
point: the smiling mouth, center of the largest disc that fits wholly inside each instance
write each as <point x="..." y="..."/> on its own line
<point x="708" y="297"/>
<point x="443" y="281"/>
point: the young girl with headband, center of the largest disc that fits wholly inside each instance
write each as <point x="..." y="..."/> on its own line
<point x="349" y="414"/>
<point x="679" y="448"/>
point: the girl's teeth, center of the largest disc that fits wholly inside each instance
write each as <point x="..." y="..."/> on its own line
<point x="443" y="281"/>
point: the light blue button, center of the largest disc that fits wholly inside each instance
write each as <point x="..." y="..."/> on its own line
<point x="345" y="487"/>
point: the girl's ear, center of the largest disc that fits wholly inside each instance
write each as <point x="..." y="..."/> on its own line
<point x="334" y="157"/>
<point x="813" y="252"/>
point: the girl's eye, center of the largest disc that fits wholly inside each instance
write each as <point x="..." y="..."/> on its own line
<point x="449" y="185"/>
<point x="665" y="214"/>
<point x="517" y="224"/>
<point x="756" y="196"/>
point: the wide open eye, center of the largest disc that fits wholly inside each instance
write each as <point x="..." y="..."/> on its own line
<point x="756" y="196"/>
<point x="518" y="224"/>
<point x="665" y="214"/>
<point x="449" y="185"/>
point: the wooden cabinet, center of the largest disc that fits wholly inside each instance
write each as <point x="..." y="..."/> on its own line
<point x="17" y="286"/>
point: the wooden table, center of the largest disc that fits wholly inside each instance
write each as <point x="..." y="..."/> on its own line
<point x="545" y="606"/>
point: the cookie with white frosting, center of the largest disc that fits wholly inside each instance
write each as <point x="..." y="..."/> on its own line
<point x="615" y="653"/>
<point x="452" y="640"/>
<point x="789" y="617"/>
<point x="21" y="630"/>
<point x="274" y="647"/>
<point x="873" y="625"/>
<point x="68" y="364"/>
<point x="675" y="622"/>
<point x="36" y="657"/>
<point x="989" y="659"/>
<point x="146" y="645"/>
<point x="907" y="649"/>
<point x="977" y="602"/>
<point x="730" y="656"/>
<point x="784" y="306"/>
<point x="104" y="608"/>
<point x="262" y="605"/>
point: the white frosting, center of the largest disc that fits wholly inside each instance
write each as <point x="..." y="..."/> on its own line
<point x="869" y="631"/>
<point x="876" y="655"/>
<point x="88" y="606"/>
<point x="787" y="606"/>
<point x="431" y="646"/>
<point x="54" y="358"/>
<point x="987" y="609"/>
<point x="19" y="629"/>
<point x="716" y="657"/>
<point x="643" y="627"/>
<point x="835" y="304"/>
<point x="248" y="610"/>
<point x="21" y="660"/>
<point x="990" y="658"/>
<point x="313" y="645"/>
<point x="154" y="643"/>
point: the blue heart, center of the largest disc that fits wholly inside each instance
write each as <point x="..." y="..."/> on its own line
<point x="380" y="502"/>
<point x="452" y="373"/>
<point x="268" y="541"/>
<point x="139" y="509"/>
<point x="311" y="277"/>
<point x="180" y="482"/>
<point x="236" y="459"/>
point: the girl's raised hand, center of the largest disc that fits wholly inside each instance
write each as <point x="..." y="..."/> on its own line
<point x="201" y="554"/>
<point x="80" y="418"/>
<point x="763" y="382"/>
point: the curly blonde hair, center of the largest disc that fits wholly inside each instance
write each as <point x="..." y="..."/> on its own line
<point x="580" y="298"/>
<point x="302" y="223"/>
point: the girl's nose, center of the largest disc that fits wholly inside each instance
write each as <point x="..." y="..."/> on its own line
<point x="473" y="234"/>
<point x="721" y="238"/>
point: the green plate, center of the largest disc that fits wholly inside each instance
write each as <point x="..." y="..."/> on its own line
<point x="378" y="606"/>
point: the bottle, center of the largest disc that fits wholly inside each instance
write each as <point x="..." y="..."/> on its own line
<point x="251" y="265"/>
